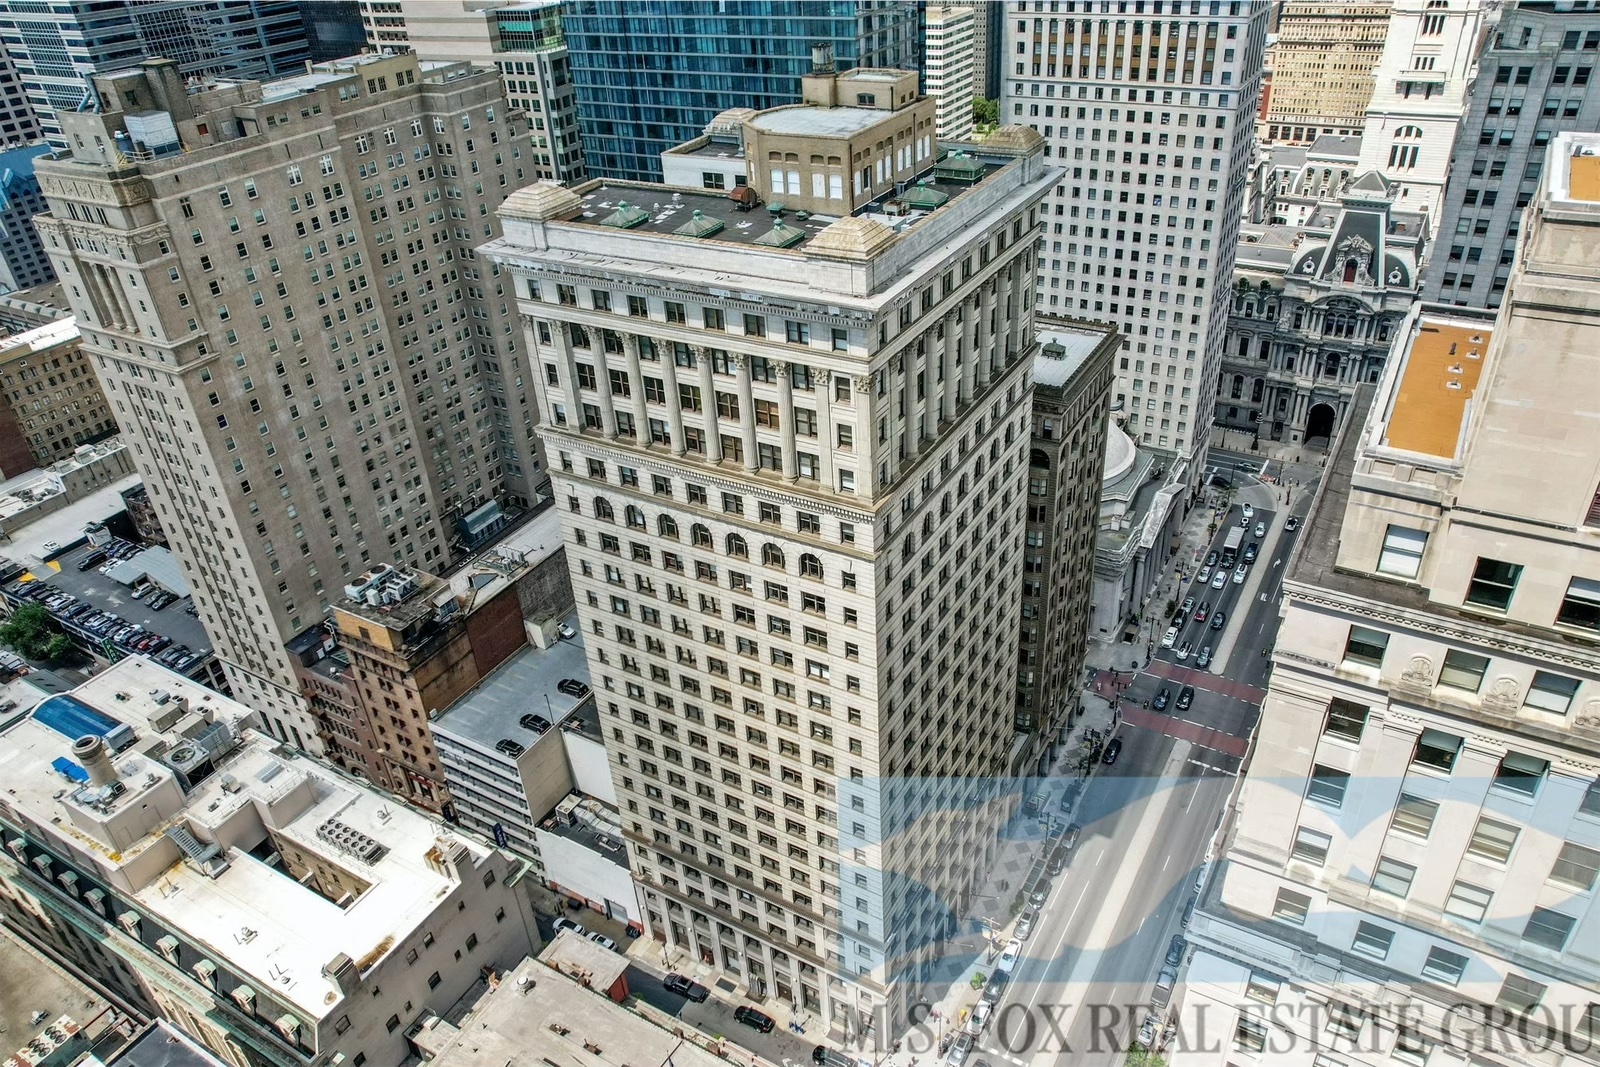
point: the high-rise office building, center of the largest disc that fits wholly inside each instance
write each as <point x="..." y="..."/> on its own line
<point x="649" y="77"/>
<point x="1537" y="79"/>
<point x="1322" y="68"/>
<point x="278" y="284"/>
<point x="949" y="70"/>
<point x="23" y="263"/>
<point x="988" y="39"/>
<point x="18" y="123"/>
<point x="521" y="40"/>
<point x="791" y="456"/>
<point x="333" y="28"/>
<point x="1419" y="93"/>
<point x="1153" y="119"/>
<point x="1072" y="378"/>
<point x="1410" y="876"/>
<point x="57" y="46"/>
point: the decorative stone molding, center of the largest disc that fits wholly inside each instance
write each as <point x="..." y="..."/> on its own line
<point x="862" y="382"/>
<point x="1504" y="695"/>
<point x="1418" y="675"/>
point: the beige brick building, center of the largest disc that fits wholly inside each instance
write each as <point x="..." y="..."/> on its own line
<point x="52" y="401"/>
<point x="791" y="456"/>
<point x="278" y="285"/>
<point x="1322" y="68"/>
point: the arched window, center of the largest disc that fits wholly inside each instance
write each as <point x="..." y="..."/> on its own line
<point x="634" y="517"/>
<point x="736" y="547"/>
<point x="602" y="509"/>
<point x="810" y="566"/>
<point x="1038" y="458"/>
<point x="771" y="555"/>
<point x="1238" y="387"/>
<point x="699" y="536"/>
<point x="908" y="547"/>
<point x="667" y="526"/>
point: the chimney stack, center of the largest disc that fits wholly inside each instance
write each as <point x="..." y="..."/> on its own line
<point x="90" y="752"/>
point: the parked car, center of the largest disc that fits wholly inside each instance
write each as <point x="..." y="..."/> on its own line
<point x="1202" y="611"/>
<point x="1261" y="529"/>
<point x="979" y="1019"/>
<point x="1251" y="550"/>
<point x="602" y="940"/>
<point x="567" y="633"/>
<point x="1008" y="957"/>
<point x="509" y="747"/>
<point x="564" y="923"/>
<point x="537" y="723"/>
<point x="50" y="546"/>
<point x="757" y="1020"/>
<point x="1203" y="659"/>
<point x="142" y="592"/>
<point x="1292" y="523"/>
<point x="1219" y="620"/>
<point x="1162" y="699"/>
<point x="1024" y="926"/>
<point x="685" y="986"/>
<point x="1185" y="698"/>
<point x="1169" y="637"/>
<point x="1186" y="650"/>
<point x="1058" y="861"/>
<point x="996" y="988"/>
<point x="1211" y="558"/>
<point x="573" y="688"/>
<point x="1188" y="606"/>
<point x="92" y="560"/>
<point x="1175" y="949"/>
<point x="1220" y="579"/>
<point x="960" y="1049"/>
<point x="1113" y="750"/>
<point x="1188" y="911"/>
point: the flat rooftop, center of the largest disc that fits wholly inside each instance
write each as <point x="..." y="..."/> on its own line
<point x="1078" y="344"/>
<point x="30" y="982"/>
<point x="805" y="120"/>
<point x="1439" y="370"/>
<point x="509" y="1026"/>
<point x="524" y="684"/>
<point x="708" y="149"/>
<point x="18" y="345"/>
<point x="1584" y="178"/>
<point x="274" y="930"/>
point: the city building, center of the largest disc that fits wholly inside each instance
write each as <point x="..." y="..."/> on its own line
<point x="790" y="449"/>
<point x="333" y="28"/>
<point x="988" y="41"/>
<point x="23" y="264"/>
<point x="279" y="287"/>
<point x="523" y="41"/>
<point x="650" y="77"/>
<point x="1142" y="493"/>
<point x="413" y="644"/>
<point x="1072" y="378"/>
<point x="23" y="310"/>
<point x="1535" y="80"/>
<point x="1323" y="61"/>
<point x="1419" y="95"/>
<point x="1292" y="181"/>
<point x="56" y="503"/>
<point x="1315" y="309"/>
<point x="18" y="124"/>
<point x="279" y="912"/>
<point x="57" y="47"/>
<point x="1137" y="233"/>
<point x="1409" y="876"/>
<point x="950" y="72"/>
<point x="50" y="400"/>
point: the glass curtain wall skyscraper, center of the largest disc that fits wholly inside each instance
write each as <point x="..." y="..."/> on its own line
<point x="650" y="75"/>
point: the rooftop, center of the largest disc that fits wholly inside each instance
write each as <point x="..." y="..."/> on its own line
<point x="29" y="982"/>
<point x="575" y="955"/>
<point x="267" y="919"/>
<point x="805" y="120"/>
<point x="1064" y="348"/>
<point x="536" y="1017"/>
<point x="20" y="345"/>
<point x="585" y="821"/>
<point x="1579" y="180"/>
<point x="161" y="1045"/>
<point x="524" y="684"/>
<point x="1333" y="144"/>
<point x="1439" y="365"/>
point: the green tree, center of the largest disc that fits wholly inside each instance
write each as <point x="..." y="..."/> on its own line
<point x="985" y="112"/>
<point x="31" y="631"/>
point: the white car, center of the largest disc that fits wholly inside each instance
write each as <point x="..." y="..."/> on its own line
<point x="567" y="633"/>
<point x="1204" y="576"/>
<point x="1220" y="580"/>
<point x="1261" y="529"/>
<point x="1248" y="510"/>
<point x="51" y="546"/>
<point x="1008" y="958"/>
<point x="979" y="1018"/>
<point x="564" y="923"/>
<point x="1238" y="574"/>
<point x="1169" y="637"/>
<point x="1187" y="650"/>
<point x="602" y="940"/>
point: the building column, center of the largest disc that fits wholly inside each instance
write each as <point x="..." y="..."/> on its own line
<point x="747" y="413"/>
<point x="982" y="338"/>
<point x="708" y="402"/>
<point x="950" y="386"/>
<point x="791" y="464"/>
<point x="669" y="379"/>
<point x="1005" y="291"/>
<point x="866" y="436"/>
<point x="641" y="414"/>
<point x="602" y="388"/>
<point x="822" y="383"/>
<point x="566" y="371"/>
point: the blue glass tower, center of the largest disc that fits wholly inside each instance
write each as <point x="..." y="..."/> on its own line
<point x="649" y="74"/>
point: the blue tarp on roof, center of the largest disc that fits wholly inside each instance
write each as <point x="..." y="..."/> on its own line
<point x="65" y="766"/>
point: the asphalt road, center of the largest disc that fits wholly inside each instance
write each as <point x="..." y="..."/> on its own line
<point x="716" y="1017"/>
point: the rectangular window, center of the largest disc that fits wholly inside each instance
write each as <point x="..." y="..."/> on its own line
<point x="1410" y="1047"/>
<point x="1437" y="749"/>
<point x="1575" y="866"/>
<point x="1413" y="815"/>
<point x="1521" y="773"/>
<point x="1581" y="606"/>
<point x="1402" y="552"/>
<point x="1468" y="901"/>
<point x="1551" y="692"/>
<point x="1372" y="940"/>
<point x="1520" y="994"/>
<point x="1393" y="877"/>
<point x="1291" y="907"/>
<point x="1311" y="846"/>
<point x="1327" y="786"/>
<point x="1366" y="646"/>
<point x="1263" y="988"/>
<point x="1445" y="966"/>
<point x="1493" y="583"/>
<point x="1492" y="840"/>
<point x="1463" y="670"/>
<point x="1345" y="719"/>
<point x="1549" y="929"/>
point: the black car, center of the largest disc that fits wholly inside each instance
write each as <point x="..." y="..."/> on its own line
<point x="996" y="988"/>
<point x="509" y="747"/>
<point x="1185" y="697"/>
<point x="1291" y="524"/>
<point x="1219" y="620"/>
<point x="1058" y="861"/>
<point x="755" y="1019"/>
<point x="1112" y="750"/>
<point x="93" y="559"/>
<point x="537" y="723"/>
<point x="1251" y="551"/>
<point x="685" y="986"/>
<point x="1175" y="949"/>
<point x="1160" y="702"/>
<point x="1212" y="557"/>
<point x="573" y="688"/>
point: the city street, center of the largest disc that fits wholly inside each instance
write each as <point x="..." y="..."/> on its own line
<point x="715" y="1016"/>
